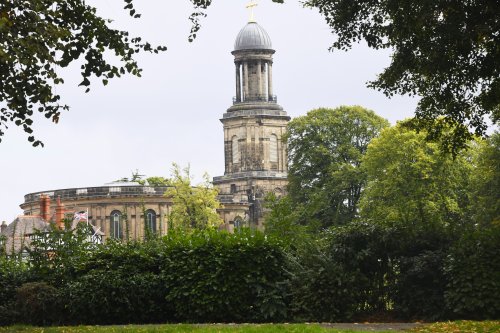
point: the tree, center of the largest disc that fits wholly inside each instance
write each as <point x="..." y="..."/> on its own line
<point x="157" y="181"/>
<point x="413" y="183"/>
<point x="446" y="52"/>
<point x="194" y="207"/>
<point x="485" y="183"/>
<point x="39" y="36"/>
<point x="324" y="152"/>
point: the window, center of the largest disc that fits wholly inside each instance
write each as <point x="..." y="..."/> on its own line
<point x="233" y="188"/>
<point x="81" y="191"/>
<point x="115" y="230"/>
<point x="150" y="219"/>
<point x="238" y="222"/>
<point x="273" y="148"/>
<point x="235" y="150"/>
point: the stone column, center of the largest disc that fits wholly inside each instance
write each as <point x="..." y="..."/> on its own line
<point x="264" y="80"/>
<point x="245" y="81"/>
<point x="238" y="83"/>
<point x="270" y="79"/>
<point x="259" y="79"/>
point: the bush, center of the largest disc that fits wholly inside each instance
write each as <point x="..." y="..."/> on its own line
<point x="214" y="276"/>
<point x="473" y="272"/>
<point x="38" y="303"/>
<point x="418" y="287"/>
<point x="13" y="273"/>
<point x="321" y="289"/>
<point x="119" y="284"/>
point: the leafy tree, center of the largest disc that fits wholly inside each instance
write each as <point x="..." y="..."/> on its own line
<point x="446" y="52"/>
<point x="281" y="222"/>
<point x="54" y="254"/>
<point x="324" y="151"/>
<point x="411" y="181"/>
<point x="194" y="207"/>
<point x="157" y="181"/>
<point x="485" y="184"/>
<point x="39" y="36"/>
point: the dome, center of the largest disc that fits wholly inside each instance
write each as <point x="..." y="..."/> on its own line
<point x="252" y="37"/>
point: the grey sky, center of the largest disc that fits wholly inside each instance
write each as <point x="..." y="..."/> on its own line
<point x="172" y="113"/>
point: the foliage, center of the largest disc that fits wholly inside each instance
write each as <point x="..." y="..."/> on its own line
<point x="411" y="181"/>
<point x="281" y="222"/>
<point x="13" y="273"/>
<point x="473" y="272"/>
<point x="40" y="36"/>
<point x="193" y="207"/>
<point x="54" y="255"/>
<point x="324" y="151"/>
<point x="38" y="303"/>
<point x="418" y="281"/>
<point x="485" y="183"/>
<point x="118" y="284"/>
<point x="214" y="276"/>
<point x="157" y="181"/>
<point x="321" y="288"/>
<point x="443" y="51"/>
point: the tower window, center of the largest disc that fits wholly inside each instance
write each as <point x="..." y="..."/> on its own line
<point x="273" y="148"/>
<point x="150" y="219"/>
<point x="115" y="225"/>
<point x="235" y="149"/>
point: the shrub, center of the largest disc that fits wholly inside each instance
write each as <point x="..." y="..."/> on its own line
<point x="322" y="289"/>
<point x="473" y="272"/>
<point x="119" y="284"/>
<point x="417" y="290"/>
<point x="38" y="303"/>
<point x="214" y="276"/>
<point x="13" y="273"/>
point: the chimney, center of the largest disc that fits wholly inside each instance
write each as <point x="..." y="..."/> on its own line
<point x="3" y="227"/>
<point x="45" y="207"/>
<point x="59" y="216"/>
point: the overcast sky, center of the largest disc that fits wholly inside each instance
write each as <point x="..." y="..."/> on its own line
<point x="172" y="113"/>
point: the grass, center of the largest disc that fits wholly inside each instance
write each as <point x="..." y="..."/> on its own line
<point x="492" y="326"/>
<point x="443" y="327"/>
<point x="181" y="328"/>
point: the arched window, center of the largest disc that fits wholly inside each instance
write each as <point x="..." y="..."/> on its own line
<point x="115" y="230"/>
<point x="238" y="222"/>
<point x="235" y="149"/>
<point x="150" y="220"/>
<point x="273" y="148"/>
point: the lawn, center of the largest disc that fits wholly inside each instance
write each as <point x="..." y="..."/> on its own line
<point x="444" y="327"/>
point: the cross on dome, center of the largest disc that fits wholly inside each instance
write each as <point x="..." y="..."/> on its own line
<point x="251" y="5"/>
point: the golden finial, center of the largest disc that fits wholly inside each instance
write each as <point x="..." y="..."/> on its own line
<point x="251" y="6"/>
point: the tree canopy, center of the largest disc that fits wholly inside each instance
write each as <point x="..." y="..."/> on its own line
<point x="39" y="36"/>
<point x="412" y="182"/>
<point x="194" y="207"/>
<point x="446" y="52"/>
<point x="325" y="148"/>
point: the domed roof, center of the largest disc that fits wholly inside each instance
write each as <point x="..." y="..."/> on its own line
<point x="252" y="37"/>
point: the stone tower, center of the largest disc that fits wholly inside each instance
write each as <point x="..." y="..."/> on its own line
<point x="255" y="156"/>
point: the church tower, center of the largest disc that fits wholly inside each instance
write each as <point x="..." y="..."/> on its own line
<point x="255" y="155"/>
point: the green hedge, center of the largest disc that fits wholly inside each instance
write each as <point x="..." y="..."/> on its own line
<point x="206" y="276"/>
<point x="473" y="273"/>
<point x="351" y="272"/>
<point x="221" y="277"/>
<point x="13" y="274"/>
